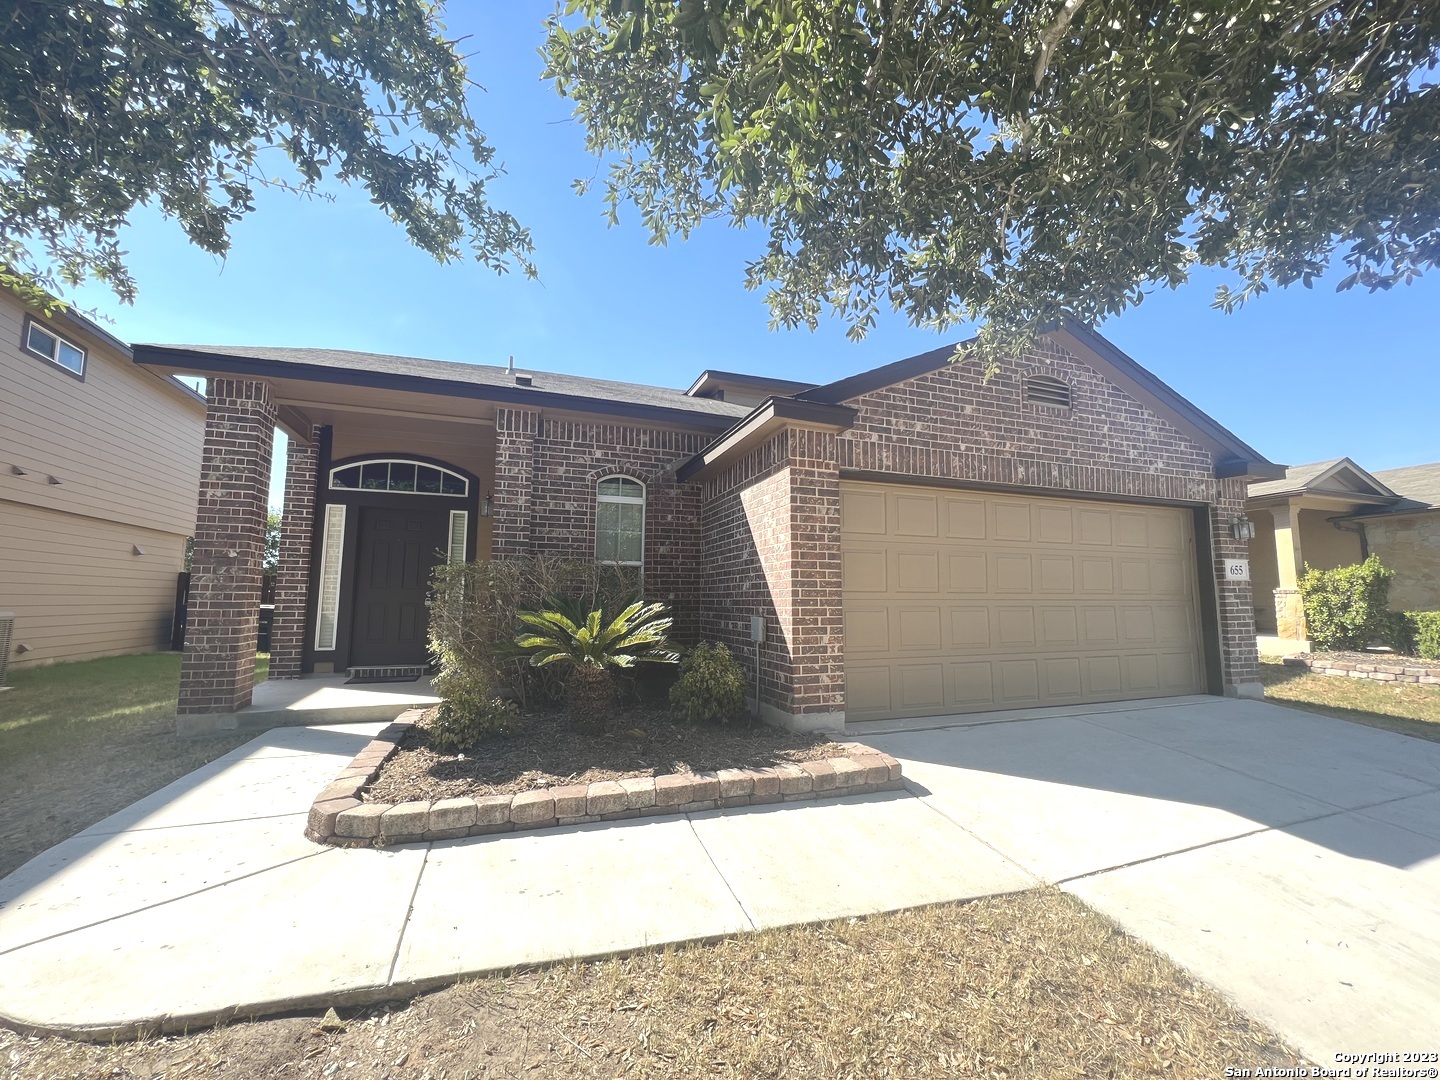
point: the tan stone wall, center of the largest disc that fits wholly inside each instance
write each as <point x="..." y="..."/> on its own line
<point x="1411" y="547"/>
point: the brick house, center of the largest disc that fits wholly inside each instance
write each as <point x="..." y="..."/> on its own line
<point x="917" y="539"/>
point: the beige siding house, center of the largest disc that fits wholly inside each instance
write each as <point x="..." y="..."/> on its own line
<point x="99" y="473"/>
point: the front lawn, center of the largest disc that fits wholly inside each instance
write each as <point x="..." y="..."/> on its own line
<point x="1408" y="708"/>
<point x="81" y="740"/>
<point x="1033" y="985"/>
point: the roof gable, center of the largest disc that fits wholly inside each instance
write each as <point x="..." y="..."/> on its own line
<point x="1231" y="455"/>
<point x="1335" y="475"/>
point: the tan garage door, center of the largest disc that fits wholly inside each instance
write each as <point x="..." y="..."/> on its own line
<point x="961" y="601"/>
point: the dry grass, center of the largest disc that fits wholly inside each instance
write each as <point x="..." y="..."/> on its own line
<point x="1031" y="985"/>
<point x="81" y="740"/>
<point x="1408" y="708"/>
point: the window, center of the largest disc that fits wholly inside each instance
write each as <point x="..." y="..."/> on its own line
<point x="327" y="613"/>
<point x="620" y="521"/>
<point x="405" y="477"/>
<point x="1044" y="390"/>
<point x="49" y="345"/>
<point x="459" y="532"/>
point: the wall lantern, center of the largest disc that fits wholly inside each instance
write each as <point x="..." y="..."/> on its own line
<point x="1242" y="528"/>
<point x="487" y="504"/>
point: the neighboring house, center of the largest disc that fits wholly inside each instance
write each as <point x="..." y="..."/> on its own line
<point x="99" y="471"/>
<point x="917" y="539"/>
<point x="1334" y="513"/>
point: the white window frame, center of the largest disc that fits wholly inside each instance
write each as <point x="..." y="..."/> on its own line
<point x="465" y="483"/>
<point x="626" y="500"/>
<point x="327" y="603"/>
<point x="460" y="519"/>
<point x="32" y="323"/>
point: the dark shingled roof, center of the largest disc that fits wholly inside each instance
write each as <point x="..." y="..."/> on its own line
<point x="549" y="382"/>
<point x="1418" y="484"/>
<point x="1296" y="476"/>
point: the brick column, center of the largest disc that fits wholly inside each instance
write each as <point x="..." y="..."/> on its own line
<point x="513" y="512"/>
<point x="816" y="631"/>
<point x="1239" y="657"/>
<point x="218" y="669"/>
<point x="292" y="582"/>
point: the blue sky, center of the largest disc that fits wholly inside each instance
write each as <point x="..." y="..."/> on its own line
<point x="1300" y="375"/>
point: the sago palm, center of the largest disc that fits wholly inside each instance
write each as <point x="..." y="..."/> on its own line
<point x="563" y="632"/>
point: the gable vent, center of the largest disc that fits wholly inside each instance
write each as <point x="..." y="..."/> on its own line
<point x="1043" y="390"/>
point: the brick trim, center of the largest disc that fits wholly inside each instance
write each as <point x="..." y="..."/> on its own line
<point x="339" y="817"/>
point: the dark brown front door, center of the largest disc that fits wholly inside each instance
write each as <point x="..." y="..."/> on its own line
<point x="398" y="550"/>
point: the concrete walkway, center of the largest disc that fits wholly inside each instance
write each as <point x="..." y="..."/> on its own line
<point x="204" y="900"/>
<point x="1290" y="860"/>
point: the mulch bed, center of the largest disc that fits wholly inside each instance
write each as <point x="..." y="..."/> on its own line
<point x="543" y="751"/>
<point x="1376" y="657"/>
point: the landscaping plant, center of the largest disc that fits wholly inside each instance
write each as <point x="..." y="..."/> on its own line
<point x="1347" y="608"/>
<point x="477" y="606"/>
<point x="711" y="687"/>
<point x="592" y="644"/>
<point x="1421" y="634"/>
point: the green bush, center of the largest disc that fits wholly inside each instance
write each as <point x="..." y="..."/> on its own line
<point x="1400" y="632"/>
<point x="1423" y="634"/>
<point x="711" y="687"/>
<point x="1347" y="608"/>
<point x="469" y="712"/>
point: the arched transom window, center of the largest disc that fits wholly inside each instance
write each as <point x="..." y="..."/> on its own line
<point x="620" y="521"/>
<point x="398" y="475"/>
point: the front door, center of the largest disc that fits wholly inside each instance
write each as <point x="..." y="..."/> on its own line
<point x="398" y="551"/>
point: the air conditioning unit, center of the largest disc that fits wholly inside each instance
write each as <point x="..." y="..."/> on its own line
<point x="7" y="634"/>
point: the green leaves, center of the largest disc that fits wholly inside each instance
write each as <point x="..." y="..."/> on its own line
<point x="1022" y="161"/>
<point x="562" y="632"/>
<point x="106" y="105"/>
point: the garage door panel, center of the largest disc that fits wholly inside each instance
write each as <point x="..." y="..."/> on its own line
<point x="916" y="570"/>
<point x="918" y="628"/>
<point x="863" y="570"/>
<point x="964" y="519"/>
<point x="972" y="601"/>
<point x="867" y="630"/>
<point x="1016" y="627"/>
<point x="968" y="572"/>
<point x="1009" y="522"/>
<point x="917" y="515"/>
<point x="972" y="684"/>
<point x="1011" y="574"/>
<point x="1057" y="573"/>
<point x="969" y="628"/>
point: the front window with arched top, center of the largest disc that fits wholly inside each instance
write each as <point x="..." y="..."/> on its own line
<point x="620" y="521"/>
<point x="400" y="476"/>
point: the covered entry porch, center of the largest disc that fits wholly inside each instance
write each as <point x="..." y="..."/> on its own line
<point x="385" y="476"/>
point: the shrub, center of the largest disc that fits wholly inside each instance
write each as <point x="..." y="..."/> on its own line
<point x="592" y="643"/>
<point x="475" y="609"/>
<point x="1347" y="608"/>
<point x="1423" y="634"/>
<point x="469" y="713"/>
<point x="711" y="687"/>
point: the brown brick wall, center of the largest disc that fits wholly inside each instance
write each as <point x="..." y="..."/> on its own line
<point x="218" y="669"/>
<point x="292" y="581"/>
<point x="545" y="476"/>
<point x="770" y="526"/>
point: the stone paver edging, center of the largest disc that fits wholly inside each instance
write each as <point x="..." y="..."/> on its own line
<point x="1380" y="670"/>
<point x="340" y="818"/>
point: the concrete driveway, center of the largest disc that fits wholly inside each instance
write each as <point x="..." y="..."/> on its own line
<point x="1288" y="859"/>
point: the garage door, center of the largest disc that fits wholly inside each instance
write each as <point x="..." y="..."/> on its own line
<point x="958" y="601"/>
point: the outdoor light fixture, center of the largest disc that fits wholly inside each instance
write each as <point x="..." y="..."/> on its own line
<point x="486" y="505"/>
<point x="1242" y="527"/>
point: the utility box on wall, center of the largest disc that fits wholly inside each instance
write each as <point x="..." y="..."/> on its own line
<point x="757" y="628"/>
